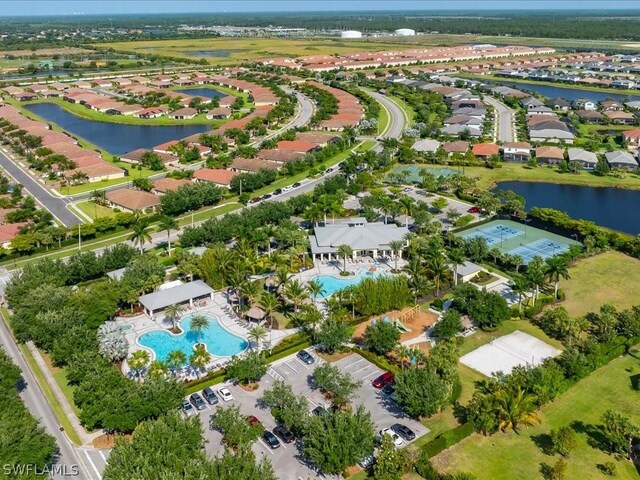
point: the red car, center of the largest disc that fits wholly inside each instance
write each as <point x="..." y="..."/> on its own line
<point x="253" y="420"/>
<point x="255" y="200"/>
<point x="383" y="380"/>
<point x="474" y="210"/>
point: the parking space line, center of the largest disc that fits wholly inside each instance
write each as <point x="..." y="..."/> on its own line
<point x="266" y="446"/>
<point x="360" y="369"/>
<point x="93" y="465"/>
<point x="291" y="367"/>
<point x="102" y="455"/>
<point x="312" y="402"/>
<point x="354" y="363"/>
<point x="302" y="363"/>
<point x="372" y="373"/>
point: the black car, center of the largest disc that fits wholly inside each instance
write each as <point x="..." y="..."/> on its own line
<point x="271" y="439"/>
<point x="389" y="388"/>
<point x="197" y="401"/>
<point x="285" y="435"/>
<point x="404" y="431"/>
<point x="296" y="185"/>
<point x="266" y="197"/>
<point x="320" y="411"/>
<point x="277" y="191"/>
<point x="210" y="396"/>
<point x="305" y="356"/>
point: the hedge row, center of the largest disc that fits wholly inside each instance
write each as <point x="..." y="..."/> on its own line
<point x="447" y="439"/>
<point x="377" y="360"/>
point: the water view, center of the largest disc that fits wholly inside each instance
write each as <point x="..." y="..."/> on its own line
<point x="114" y="137"/>
<point x="609" y="207"/>
<point x="205" y="92"/>
<point x="571" y="94"/>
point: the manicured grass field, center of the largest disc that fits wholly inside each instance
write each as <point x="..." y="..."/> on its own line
<point x="610" y="277"/>
<point x="487" y="178"/>
<point x="510" y="456"/>
<point x="225" y="51"/>
<point x="94" y="210"/>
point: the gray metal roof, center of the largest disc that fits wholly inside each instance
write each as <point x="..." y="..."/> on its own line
<point x="619" y="156"/>
<point x="581" y="155"/>
<point x="468" y="268"/>
<point x="116" y="274"/>
<point x="426" y="145"/>
<point x="358" y="235"/>
<point x="176" y="295"/>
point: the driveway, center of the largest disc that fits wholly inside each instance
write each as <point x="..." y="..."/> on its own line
<point x="504" y="119"/>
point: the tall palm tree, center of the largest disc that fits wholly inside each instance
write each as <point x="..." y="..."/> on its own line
<point x="257" y="334"/>
<point x="417" y="275"/>
<point x="346" y="251"/>
<point x="515" y="408"/>
<point x="167" y="224"/>
<point x="556" y="268"/>
<point x="402" y="354"/>
<point x="250" y="290"/>
<point x="200" y="323"/>
<point x="520" y="286"/>
<point x="456" y="257"/>
<point x="173" y="312"/>
<point x="176" y="359"/>
<point x="199" y="358"/>
<point x="312" y="318"/>
<point x="269" y="303"/>
<point x="140" y="233"/>
<point x="314" y="213"/>
<point x="438" y="271"/>
<point x="139" y="359"/>
<point x="407" y="204"/>
<point x="157" y="369"/>
<point x="396" y="247"/>
<point x="315" y="290"/>
<point x="536" y="276"/>
<point x="296" y="293"/>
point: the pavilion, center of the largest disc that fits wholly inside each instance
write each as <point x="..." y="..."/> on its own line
<point x="177" y="295"/>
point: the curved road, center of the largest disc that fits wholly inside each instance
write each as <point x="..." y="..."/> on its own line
<point x="397" y="117"/>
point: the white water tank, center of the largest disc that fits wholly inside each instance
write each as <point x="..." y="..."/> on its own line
<point x="351" y="34"/>
<point x="404" y="32"/>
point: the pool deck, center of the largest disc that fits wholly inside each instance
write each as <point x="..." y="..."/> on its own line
<point x="218" y="307"/>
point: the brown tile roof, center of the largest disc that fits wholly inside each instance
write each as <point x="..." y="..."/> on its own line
<point x="297" y="146"/>
<point x="485" y="149"/>
<point x="455" y="147"/>
<point x="136" y="155"/>
<point x="10" y="231"/>
<point x="215" y="175"/>
<point x="96" y="170"/>
<point x="169" y="184"/>
<point x="319" y="138"/>
<point x="281" y="156"/>
<point x="253" y="164"/>
<point x="517" y="145"/>
<point x="550" y="152"/>
<point x="132" y="199"/>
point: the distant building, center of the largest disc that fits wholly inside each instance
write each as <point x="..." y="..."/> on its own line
<point x="351" y="34"/>
<point x="404" y="32"/>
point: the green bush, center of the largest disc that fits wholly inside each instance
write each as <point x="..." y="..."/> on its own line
<point x="377" y="360"/>
<point x="210" y="379"/>
<point x="447" y="439"/>
<point x="437" y="304"/>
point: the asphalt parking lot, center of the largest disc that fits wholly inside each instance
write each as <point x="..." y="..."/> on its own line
<point x="286" y="460"/>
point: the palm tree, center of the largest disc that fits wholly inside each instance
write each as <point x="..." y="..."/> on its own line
<point x="396" y="248"/>
<point x="269" y="303"/>
<point x="139" y="359"/>
<point x="296" y="293"/>
<point x="438" y="270"/>
<point x="315" y="290"/>
<point x="314" y="213"/>
<point x="176" y="359"/>
<point x="520" y="286"/>
<point x="456" y="257"/>
<point x="256" y="335"/>
<point x="417" y="273"/>
<point x="346" y="251"/>
<point x="515" y="408"/>
<point x="140" y="233"/>
<point x="402" y="354"/>
<point x="199" y="358"/>
<point x="407" y="204"/>
<point x="312" y="318"/>
<point x="167" y="224"/>
<point x="556" y="268"/>
<point x="157" y="369"/>
<point x="174" y="312"/>
<point x="200" y="323"/>
<point x="250" y="290"/>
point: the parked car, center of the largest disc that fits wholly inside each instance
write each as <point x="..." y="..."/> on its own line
<point x="287" y="188"/>
<point x="210" y="396"/>
<point x="474" y="210"/>
<point x="187" y="409"/>
<point x="197" y="401"/>
<point x="383" y="380"/>
<point x="404" y="431"/>
<point x="329" y="170"/>
<point x="267" y="196"/>
<point x="225" y="394"/>
<point x="320" y="411"/>
<point x="277" y="191"/>
<point x="421" y="192"/>
<point x="296" y="185"/>
<point x="285" y="435"/>
<point x="255" y="200"/>
<point x="367" y="461"/>
<point x="253" y="420"/>
<point x="389" y="388"/>
<point x="397" y="441"/>
<point x="271" y="439"/>
<point x="305" y="357"/>
<point x="408" y="189"/>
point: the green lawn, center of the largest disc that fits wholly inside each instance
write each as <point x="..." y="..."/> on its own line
<point x="383" y="120"/>
<point x="510" y="456"/>
<point x="487" y="178"/>
<point x="94" y="210"/>
<point x="609" y="277"/>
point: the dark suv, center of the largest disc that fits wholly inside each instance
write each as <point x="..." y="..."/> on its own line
<point x="285" y="435"/>
<point x="305" y="357"/>
<point x="210" y="396"/>
<point x="197" y="401"/>
<point x="271" y="439"/>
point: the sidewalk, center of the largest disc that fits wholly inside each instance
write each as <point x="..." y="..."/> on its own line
<point x="85" y="438"/>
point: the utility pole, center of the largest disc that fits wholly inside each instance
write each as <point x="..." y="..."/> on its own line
<point x="79" y="238"/>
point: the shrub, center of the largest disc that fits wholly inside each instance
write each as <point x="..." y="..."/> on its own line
<point x="447" y="439"/>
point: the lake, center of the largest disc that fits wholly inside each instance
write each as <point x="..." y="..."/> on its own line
<point x="570" y="94"/>
<point x="204" y="92"/>
<point x="615" y="208"/>
<point x="115" y="138"/>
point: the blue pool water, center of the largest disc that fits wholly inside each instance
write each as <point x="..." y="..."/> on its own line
<point x="331" y="284"/>
<point x="219" y="341"/>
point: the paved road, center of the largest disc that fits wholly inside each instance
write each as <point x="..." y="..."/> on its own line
<point x="57" y="206"/>
<point x="504" y="119"/>
<point x="397" y="117"/>
<point x="69" y="460"/>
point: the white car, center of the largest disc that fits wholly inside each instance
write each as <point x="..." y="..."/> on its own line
<point x="287" y="188"/>
<point x="225" y="394"/>
<point x="397" y="441"/>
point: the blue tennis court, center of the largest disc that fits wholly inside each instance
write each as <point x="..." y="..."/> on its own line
<point x="494" y="234"/>
<point x="543" y="248"/>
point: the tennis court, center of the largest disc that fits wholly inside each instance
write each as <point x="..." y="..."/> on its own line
<point x="517" y="239"/>
<point x="505" y="353"/>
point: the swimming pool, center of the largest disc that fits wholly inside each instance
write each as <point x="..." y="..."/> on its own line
<point x="219" y="341"/>
<point x="331" y="284"/>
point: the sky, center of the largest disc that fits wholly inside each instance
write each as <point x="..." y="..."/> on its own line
<point x="71" y="7"/>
